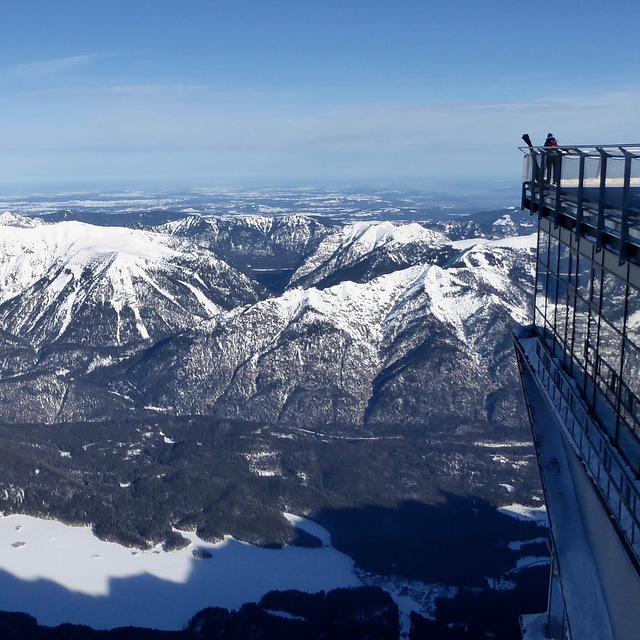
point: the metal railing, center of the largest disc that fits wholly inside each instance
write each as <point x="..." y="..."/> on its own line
<point x="614" y="479"/>
<point x="593" y="189"/>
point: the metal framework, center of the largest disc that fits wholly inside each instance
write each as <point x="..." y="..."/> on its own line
<point x="594" y="190"/>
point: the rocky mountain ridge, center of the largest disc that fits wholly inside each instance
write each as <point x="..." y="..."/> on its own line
<point x="375" y="318"/>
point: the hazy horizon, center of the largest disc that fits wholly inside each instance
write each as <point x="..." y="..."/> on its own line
<point x="306" y="93"/>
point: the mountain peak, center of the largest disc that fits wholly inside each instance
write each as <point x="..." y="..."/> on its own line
<point x="8" y="219"/>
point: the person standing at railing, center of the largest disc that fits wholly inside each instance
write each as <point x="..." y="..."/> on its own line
<point x="552" y="160"/>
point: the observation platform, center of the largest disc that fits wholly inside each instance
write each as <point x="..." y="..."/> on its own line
<point x="593" y="191"/>
<point x="580" y="368"/>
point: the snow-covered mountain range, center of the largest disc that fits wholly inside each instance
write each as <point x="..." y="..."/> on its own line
<point x="285" y="320"/>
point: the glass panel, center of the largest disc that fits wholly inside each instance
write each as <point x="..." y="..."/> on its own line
<point x="563" y="266"/>
<point x="592" y="166"/>
<point x="632" y="330"/>
<point x="541" y="299"/>
<point x="552" y="290"/>
<point x="570" y="169"/>
<point x="613" y="299"/>
<point x="538" y="318"/>
<point x="596" y="285"/>
<point x="548" y="337"/>
<point x="543" y="247"/>
<point x="615" y="171"/>
<point x="573" y="265"/>
<point x="558" y="349"/>
<point x="561" y="313"/>
<point x="580" y="327"/>
<point x="584" y="277"/>
<point x="570" y="326"/>
<point x="554" y="245"/>
<point x="592" y="341"/>
<point x="608" y="381"/>
<point x="631" y="368"/>
<point x="629" y="410"/>
<point x="610" y="345"/>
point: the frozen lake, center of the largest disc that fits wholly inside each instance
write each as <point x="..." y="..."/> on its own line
<point x="60" y="573"/>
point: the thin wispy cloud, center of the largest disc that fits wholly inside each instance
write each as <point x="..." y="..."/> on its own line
<point x="123" y="90"/>
<point x="45" y="68"/>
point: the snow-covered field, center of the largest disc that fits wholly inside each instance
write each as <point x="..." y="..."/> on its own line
<point x="60" y="573"/>
<point x="522" y="512"/>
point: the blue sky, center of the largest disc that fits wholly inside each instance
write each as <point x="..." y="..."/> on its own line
<point x="309" y="92"/>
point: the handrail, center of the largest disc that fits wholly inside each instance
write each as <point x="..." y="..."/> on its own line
<point x="586" y="147"/>
<point x="596" y="187"/>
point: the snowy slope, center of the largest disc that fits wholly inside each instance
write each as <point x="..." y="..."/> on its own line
<point x="108" y="285"/>
<point x="364" y="250"/>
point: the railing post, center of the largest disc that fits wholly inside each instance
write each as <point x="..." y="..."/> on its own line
<point x="626" y="196"/>
<point x="580" y="199"/>
<point x="556" y="156"/>
<point x="601" y="198"/>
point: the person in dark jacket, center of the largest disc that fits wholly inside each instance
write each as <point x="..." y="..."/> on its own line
<point x="552" y="160"/>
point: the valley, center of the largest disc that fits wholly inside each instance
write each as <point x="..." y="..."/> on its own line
<point x="211" y="372"/>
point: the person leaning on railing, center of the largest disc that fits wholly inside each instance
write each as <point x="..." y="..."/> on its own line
<point x="551" y="162"/>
